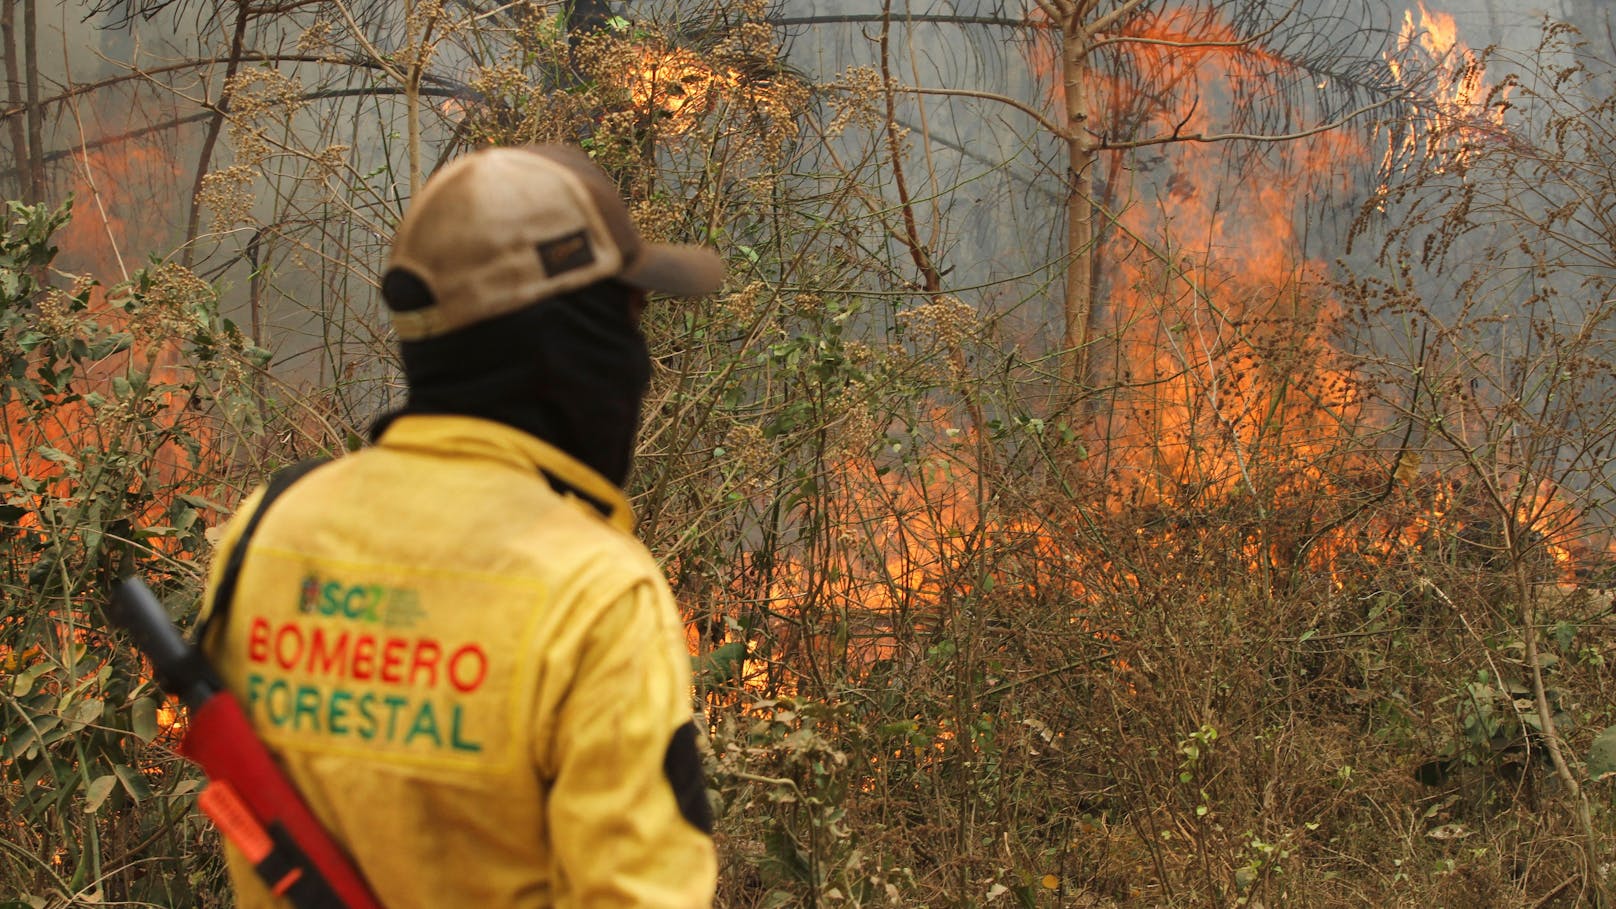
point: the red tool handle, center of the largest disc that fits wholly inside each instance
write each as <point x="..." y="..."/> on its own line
<point x="222" y="741"/>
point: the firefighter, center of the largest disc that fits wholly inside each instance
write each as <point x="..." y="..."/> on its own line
<point x="451" y="640"/>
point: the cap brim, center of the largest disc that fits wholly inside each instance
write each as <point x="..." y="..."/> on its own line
<point x="683" y="271"/>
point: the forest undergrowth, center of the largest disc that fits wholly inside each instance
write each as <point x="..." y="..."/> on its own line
<point x="937" y="674"/>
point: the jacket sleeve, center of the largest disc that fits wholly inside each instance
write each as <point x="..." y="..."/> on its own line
<point x="628" y="814"/>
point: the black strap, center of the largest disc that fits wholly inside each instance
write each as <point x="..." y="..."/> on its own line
<point x="562" y="487"/>
<point x="289" y="872"/>
<point x="225" y="595"/>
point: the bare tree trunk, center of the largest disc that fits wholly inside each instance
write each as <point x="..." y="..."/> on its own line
<point x="205" y="159"/>
<point x="1104" y="356"/>
<point x="412" y="100"/>
<point x="19" y="138"/>
<point x="1079" y="302"/>
<point x="420" y="51"/>
<point x="36" y="114"/>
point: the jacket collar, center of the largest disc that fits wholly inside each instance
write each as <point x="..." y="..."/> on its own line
<point x="464" y="436"/>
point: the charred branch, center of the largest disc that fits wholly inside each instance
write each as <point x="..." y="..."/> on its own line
<point x="17" y="108"/>
<point x="50" y="157"/>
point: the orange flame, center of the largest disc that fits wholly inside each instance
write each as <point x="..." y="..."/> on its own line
<point x="1462" y="107"/>
<point x="43" y="450"/>
<point x="1222" y="356"/>
<point x="678" y="85"/>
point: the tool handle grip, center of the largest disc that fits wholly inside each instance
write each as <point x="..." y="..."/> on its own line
<point x="180" y="668"/>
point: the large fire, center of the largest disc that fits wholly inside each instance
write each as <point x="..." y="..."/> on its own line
<point x="1223" y="351"/>
<point x="1226" y="383"/>
<point x="96" y="409"/>
<point x="1219" y="338"/>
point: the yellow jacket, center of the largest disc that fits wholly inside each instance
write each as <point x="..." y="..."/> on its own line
<point x="476" y="682"/>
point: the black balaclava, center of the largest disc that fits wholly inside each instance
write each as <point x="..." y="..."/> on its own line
<point x="571" y="370"/>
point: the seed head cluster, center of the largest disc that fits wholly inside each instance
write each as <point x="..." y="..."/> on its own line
<point x="945" y="318"/>
<point x="858" y="99"/>
<point x="259" y="98"/>
<point x="227" y="195"/>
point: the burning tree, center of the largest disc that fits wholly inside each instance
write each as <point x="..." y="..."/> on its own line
<point x="1132" y="76"/>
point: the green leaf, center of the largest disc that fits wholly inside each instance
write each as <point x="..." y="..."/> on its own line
<point x="904" y="728"/>
<point x="1565" y="633"/>
<point x="114" y="343"/>
<point x="133" y="782"/>
<point x="1602" y="755"/>
<point x="97" y="793"/>
<point x="24" y="681"/>
<point x="143" y="719"/>
<point x="23" y="741"/>
<point x="56" y="455"/>
<point x="83" y="713"/>
<point x="724" y="662"/>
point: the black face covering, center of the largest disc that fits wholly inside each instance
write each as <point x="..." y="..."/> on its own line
<point x="572" y="371"/>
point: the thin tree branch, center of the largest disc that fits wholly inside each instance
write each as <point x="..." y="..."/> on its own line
<point x="1243" y="42"/>
<point x="364" y="42"/>
<point x="1168" y="42"/>
<point x="18" y="108"/>
<point x="177" y="122"/>
<point x="1053" y="11"/>
<point x="1030" y="111"/>
<point x="89" y="179"/>
<point x="1112" y="18"/>
<point x="1176" y="136"/>
<point x="861" y="18"/>
<point x="420" y="52"/>
<point x="219" y="110"/>
<point x="930" y="279"/>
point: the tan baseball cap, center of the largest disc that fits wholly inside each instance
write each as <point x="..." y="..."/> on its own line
<point x="501" y="229"/>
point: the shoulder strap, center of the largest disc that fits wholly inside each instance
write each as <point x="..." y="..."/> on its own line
<point x="225" y="595"/>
